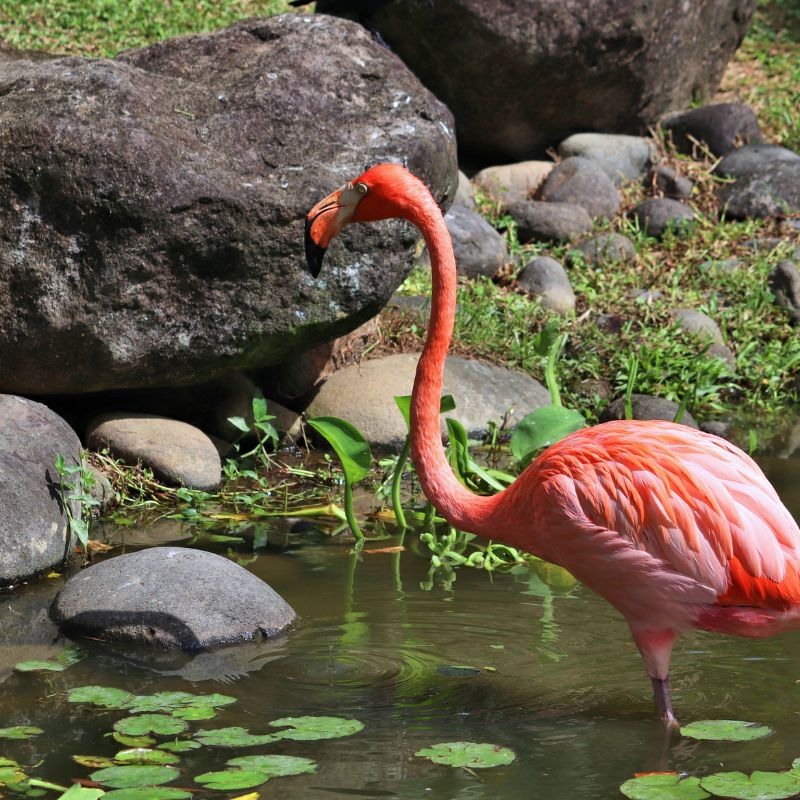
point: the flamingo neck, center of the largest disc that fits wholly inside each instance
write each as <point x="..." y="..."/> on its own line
<point x="460" y="507"/>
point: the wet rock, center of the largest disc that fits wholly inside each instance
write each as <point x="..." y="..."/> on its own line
<point x="606" y="248"/>
<point x="722" y="126"/>
<point x="784" y="283"/>
<point x="512" y="183"/>
<point x="583" y="183"/>
<point x="159" y="532"/>
<point x="766" y="182"/>
<point x="698" y="324"/>
<point x="151" y="206"/>
<point x="645" y="406"/>
<point x="668" y="182"/>
<point x="171" y="597"/>
<point x="549" y="222"/>
<point x="546" y="279"/>
<point x="657" y="215"/>
<point x="363" y="394"/>
<point x="620" y="157"/>
<point x="176" y="452"/>
<point x="465" y="192"/>
<point x="478" y="247"/>
<point x="34" y="527"/>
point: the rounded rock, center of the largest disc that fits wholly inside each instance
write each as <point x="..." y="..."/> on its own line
<point x="177" y="452"/>
<point x="784" y="283"/>
<point x="546" y="279"/>
<point x="549" y="222"/>
<point x="645" y="406"/>
<point x="465" y="192"/>
<point x="722" y="126"/>
<point x="479" y="249"/>
<point x="659" y="214"/>
<point x="171" y="597"/>
<point x="698" y="324"/>
<point x="606" y="248"/>
<point x="512" y="183"/>
<point x="669" y="182"/>
<point x="582" y="182"/>
<point x="620" y="156"/>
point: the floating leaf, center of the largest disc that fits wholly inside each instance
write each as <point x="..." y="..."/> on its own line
<point x="159" y="724"/>
<point x="468" y="754"/>
<point x="725" y="730"/>
<point x="20" y="732"/>
<point x="758" y="786"/>
<point x="78" y="792"/>
<point x="94" y="762"/>
<point x="195" y="712"/>
<point x="133" y="741"/>
<point x="104" y="696"/>
<point x="663" y="787"/>
<point x="230" y="779"/>
<point x="349" y="444"/>
<point x="304" y="729"/>
<point x="541" y="428"/>
<point x="233" y="737"/>
<point x="148" y="793"/>
<point x="144" y="755"/>
<point x="275" y="766"/>
<point x="214" y="700"/>
<point x="160" y="701"/>
<point x="11" y="774"/>
<point x="133" y="777"/>
<point x="180" y="745"/>
<point x="39" y="666"/>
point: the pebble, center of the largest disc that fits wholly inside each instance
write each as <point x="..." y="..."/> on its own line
<point x="722" y="126"/>
<point x="511" y="183"/>
<point x="582" y="182"/>
<point x="698" y="324"/>
<point x="657" y="215"/>
<point x="620" y="156"/>
<point x="546" y="279"/>
<point x="605" y="248"/>
<point x="549" y="222"/>
<point x="668" y="182"/>
<point x="478" y="247"/>
<point x="784" y="283"/>
<point x="465" y="192"/>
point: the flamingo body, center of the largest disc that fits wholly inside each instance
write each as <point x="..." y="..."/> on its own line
<point x="676" y="528"/>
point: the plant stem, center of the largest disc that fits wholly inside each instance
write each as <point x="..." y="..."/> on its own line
<point x="550" y="370"/>
<point x="350" y="515"/>
<point x="397" y="478"/>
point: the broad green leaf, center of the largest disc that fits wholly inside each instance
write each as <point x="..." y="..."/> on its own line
<point x="758" y="786"/>
<point x="94" y="762"/>
<point x="148" y="793"/>
<point x="446" y="405"/>
<point x="557" y="578"/>
<point x="194" y="712"/>
<point x="233" y="737"/>
<point x="7" y="762"/>
<point x="133" y="741"/>
<point x="78" y="792"/>
<point x="11" y="775"/>
<point x="20" y="732"/>
<point x="180" y="746"/>
<point x="349" y="444"/>
<point x="303" y="729"/>
<point x="275" y="766"/>
<point x="230" y="779"/>
<point x="70" y="655"/>
<point x="39" y="666"/>
<point x="132" y="777"/>
<point x="725" y="730"/>
<point x="161" y="701"/>
<point x="144" y="755"/>
<point x="104" y="696"/>
<point x="541" y="428"/>
<point x="663" y="787"/>
<point x="468" y="754"/>
<point x="465" y="464"/>
<point x="240" y="423"/>
<point x="159" y="724"/>
<point x="214" y="700"/>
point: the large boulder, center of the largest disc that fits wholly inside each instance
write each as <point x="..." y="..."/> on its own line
<point x="151" y="206"/>
<point x="520" y="75"/>
<point x="34" y="526"/>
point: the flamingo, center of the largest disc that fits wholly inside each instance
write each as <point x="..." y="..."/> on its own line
<point x="676" y="528"/>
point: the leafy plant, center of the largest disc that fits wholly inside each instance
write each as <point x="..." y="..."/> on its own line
<point x="265" y="433"/>
<point x="74" y="481"/>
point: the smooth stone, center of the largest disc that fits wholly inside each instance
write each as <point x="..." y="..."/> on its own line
<point x="724" y="353"/>
<point x="101" y="489"/>
<point x="784" y="283"/>
<point x="171" y="597"/>
<point x="546" y="279"/>
<point x="647" y="296"/>
<point x="465" y="192"/>
<point x="177" y="452"/>
<point x="657" y="215"/>
<point x="605" y="248"/>
<point x="549" y="222"/>
<point x="718" y="427"/>
<point x="364" y="395"/>
<point x="669" y="182"/>
<point x="582" y="182"/>
<point x="645" y="406"/>
<point x="722" y="126"/>
<point x="620" y="156"/>
<point x="698" y="324"/>
<point x="479" y="249"/>
<point x="512" y="183"/>
<point x="34" y="528"/>
<point x="750" y="160"/>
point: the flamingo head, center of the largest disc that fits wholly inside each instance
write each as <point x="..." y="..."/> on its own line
<point x="382" y="192"/>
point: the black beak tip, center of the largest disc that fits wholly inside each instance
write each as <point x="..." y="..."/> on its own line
<point x="314" y="253"/>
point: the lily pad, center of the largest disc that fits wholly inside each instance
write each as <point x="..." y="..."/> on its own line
<point x="159" y="724"/>
<point x="78" y="792"/>
<point x="158" y="702"/>
<point x="195" y="712"/>
<point x="104" y="696"/>
<point x="468" y="754"/>
<point x="230" y="779"/>
<point x="275" y="766"/>
<point x="94" y="762"/>
<point x="233" y="737"/>
<point x="214" y="700"/>
<point x="148" y="793"/>
<point x="144" y="755"/>
<point x="180" y="746"/>
<point x="67" y="657"/>
<point x="758" y="786"/>
<point x="725" y="730"/>
<point x="663" y="787"/>
<point x="20" y="732"/>
<point x="133" y="741"/>
<point x="11" y="774"/>
<point x="134" y="777"/>
<point x="306" y="729"/>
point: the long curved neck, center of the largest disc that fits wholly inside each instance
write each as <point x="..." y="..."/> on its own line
<point x="459" y="506"/>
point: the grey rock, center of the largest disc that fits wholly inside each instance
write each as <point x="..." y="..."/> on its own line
<point x="549" y="222"/>
<point x="478" y="247"/>
<point x="698" y="324"/>
<point x="718" y="427"/>
<point x="520" y="76"/>
<point x="171" y="597"/>
<point x="723" y="352"/>
<point x="668" y="182"/>
<point x="784" y="283"/>
<point x="176" y="452"/>
<point x="34" y="527"/>
<point x="582" y="182"/>
<point x="751" y="160"/>
<point x="159" y="532"/>
<point x="363" y="394"/>
<point x="659" y="214"/>
<point x="645" y="406"/>
<point x="620" y="157"/>
<point x="465" y="192"/>
<point x="646" y="296"/>
<point x="151" y="205"/>
<point x="513" y="183"/>
<point x="722" y="126"/>
<point x="101" y="489"/>
<point x="419" y="305"/>
<point x="546" y="279"/>
<point x="606" y="248"/>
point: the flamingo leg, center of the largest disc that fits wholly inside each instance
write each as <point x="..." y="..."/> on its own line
<point x="664" y="701"/>
<point x="655" y="645"/>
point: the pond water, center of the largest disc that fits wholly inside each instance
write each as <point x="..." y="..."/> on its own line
<point x="553" y="676"/>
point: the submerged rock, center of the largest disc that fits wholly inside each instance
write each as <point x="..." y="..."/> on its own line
<point x="171" y="597"/>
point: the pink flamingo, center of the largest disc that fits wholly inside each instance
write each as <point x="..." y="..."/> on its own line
<point x="676" y="528"/>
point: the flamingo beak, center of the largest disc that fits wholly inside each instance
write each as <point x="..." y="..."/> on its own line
<point x="325" y="220"/>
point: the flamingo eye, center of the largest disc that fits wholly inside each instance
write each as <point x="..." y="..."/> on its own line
<point x="362" y="188"/>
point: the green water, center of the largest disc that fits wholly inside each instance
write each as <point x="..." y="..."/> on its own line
<point x="556" y="678"/>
